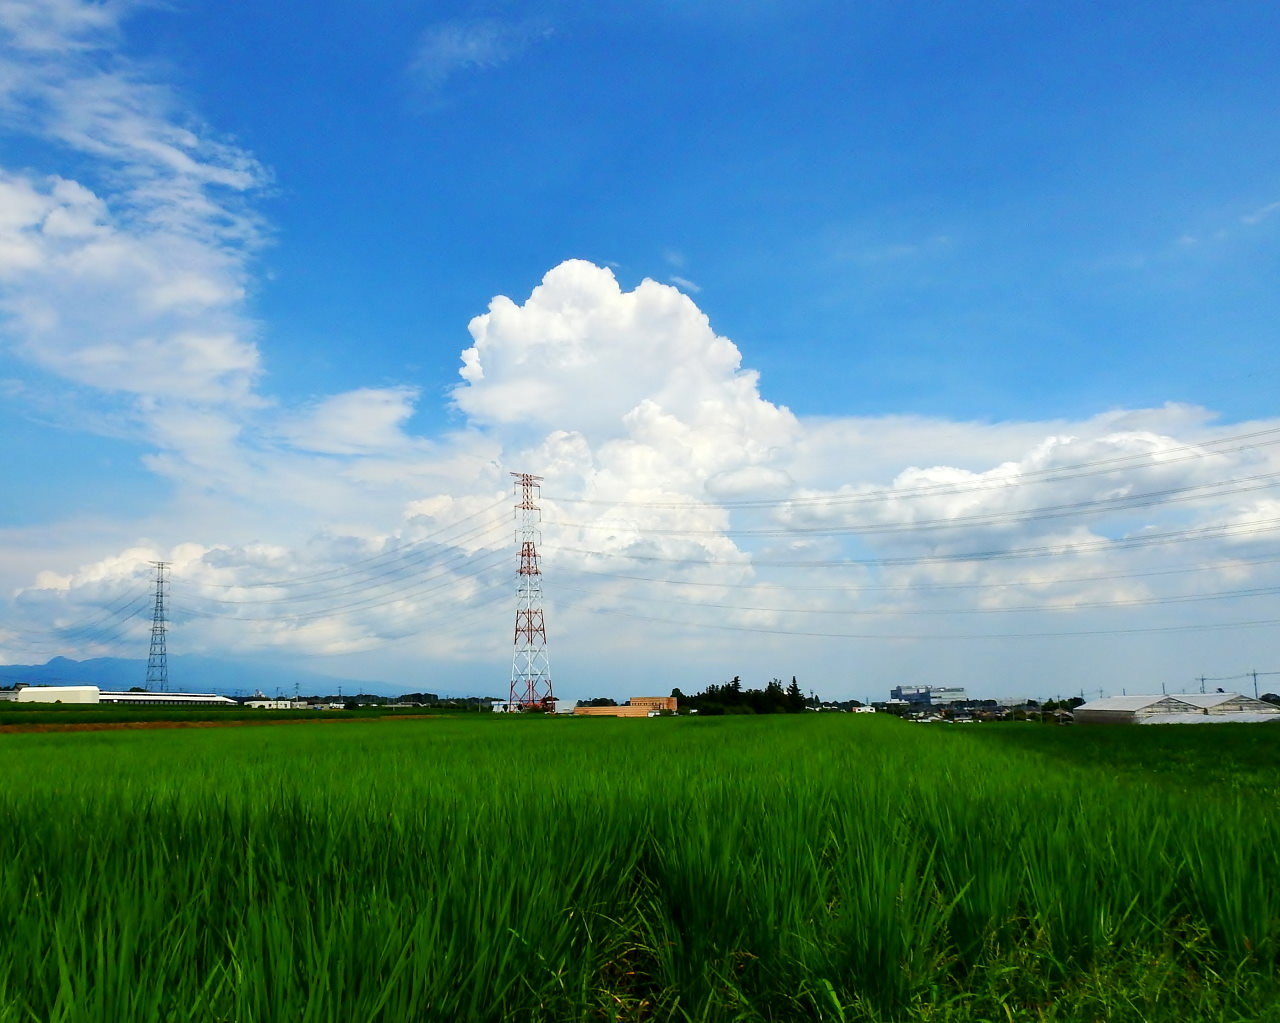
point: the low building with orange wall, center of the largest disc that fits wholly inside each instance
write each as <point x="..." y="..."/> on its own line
<point x="653" y="702"/>
<point x="637" y="707"/>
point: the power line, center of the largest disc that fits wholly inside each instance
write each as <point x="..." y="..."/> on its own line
<point x="1086" y="547"/>
<point x="1267" y="591"/>
<point x="390" y="564"/>
<point x="132" y="603"/>
<point x="407" y="562"/>
<point x="397" y="551"/>
<point x="1206" y="626"/>
<point x="415" y="588"/>
<point x="1199" y="491"/>
<point x="919" y="586"/>
<point x="102" y="637"/>
<point x="1167" y="456"/>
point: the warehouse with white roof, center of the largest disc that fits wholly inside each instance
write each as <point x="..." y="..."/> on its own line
<point x="94" y="695"/>
<point x="1176" y="709"/>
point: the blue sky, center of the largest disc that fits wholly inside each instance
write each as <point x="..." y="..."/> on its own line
<point x="898" y="185"/>
<point x="943" y="236"/>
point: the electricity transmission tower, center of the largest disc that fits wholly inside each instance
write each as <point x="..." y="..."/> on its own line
<point x="158" y="659"/>
<point x="530" y="665"/>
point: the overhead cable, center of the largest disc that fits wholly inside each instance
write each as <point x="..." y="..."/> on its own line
<point x="415" y="588"/>
<point x="917" y="586"/>
<point x="1261" y="591"/>
<point x="1192" y="492"/>
<point x="1053" y="474"/>
<point x="397" y="550"/>
<point x="1198" y="627"/>
<point x="413" y="561"/>
<point x="1085" y="547"/>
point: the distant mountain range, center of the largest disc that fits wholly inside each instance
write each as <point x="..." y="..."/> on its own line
<point x="191" y="674"/>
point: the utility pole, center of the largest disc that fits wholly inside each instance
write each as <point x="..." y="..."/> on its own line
<point x="158" y="658"/>
<point x="1202" y="682"/>
<point x="530" y="664"/>
<point x="1255" y="683"/>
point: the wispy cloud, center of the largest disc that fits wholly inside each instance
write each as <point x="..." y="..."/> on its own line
<point x="131" y="279"/>
<point x="1231" y="231"/>
<point x="890" y="252"/>
<point x="1261" y="214"/>
<point x="59" y="26"/>
<point x="684" y="284"/>
<point x="454" y="47"/>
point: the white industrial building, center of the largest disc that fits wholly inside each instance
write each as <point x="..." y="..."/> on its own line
<point x="1176" y="709"/>
<point x="168" y="699"/>
<point x="928" y="696"/>
<point x="94" y="695"/>
<point x="1228" y="703"/>
<point x="59" y="694"/>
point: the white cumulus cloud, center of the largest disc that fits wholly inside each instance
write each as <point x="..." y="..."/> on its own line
<point x="681" y="504"/>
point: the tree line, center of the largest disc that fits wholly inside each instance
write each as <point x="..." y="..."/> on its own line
<point x="731" y="698"/>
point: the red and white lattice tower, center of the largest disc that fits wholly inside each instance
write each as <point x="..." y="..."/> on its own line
<point x="530" y="667"/>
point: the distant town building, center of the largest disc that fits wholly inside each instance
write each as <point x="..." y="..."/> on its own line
<point x="928" y="696"/>
<point x="947" y="694"/>
<point x="910" y="694"/>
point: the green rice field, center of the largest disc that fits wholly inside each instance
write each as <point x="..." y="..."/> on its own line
<point x="810" y="867"/>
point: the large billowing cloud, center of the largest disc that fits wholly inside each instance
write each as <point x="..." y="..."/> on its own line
<point x="691" y="524"/>
<point x="663" y="460"/>
<point x="674" y="491"/>
<point x="658" y="398"/>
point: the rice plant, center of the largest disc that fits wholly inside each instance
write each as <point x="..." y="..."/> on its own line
<point x="816" y="867"/>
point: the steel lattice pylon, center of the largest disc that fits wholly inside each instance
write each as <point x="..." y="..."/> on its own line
<point x="530" y="666"/>
<point x="158" y="659"/>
